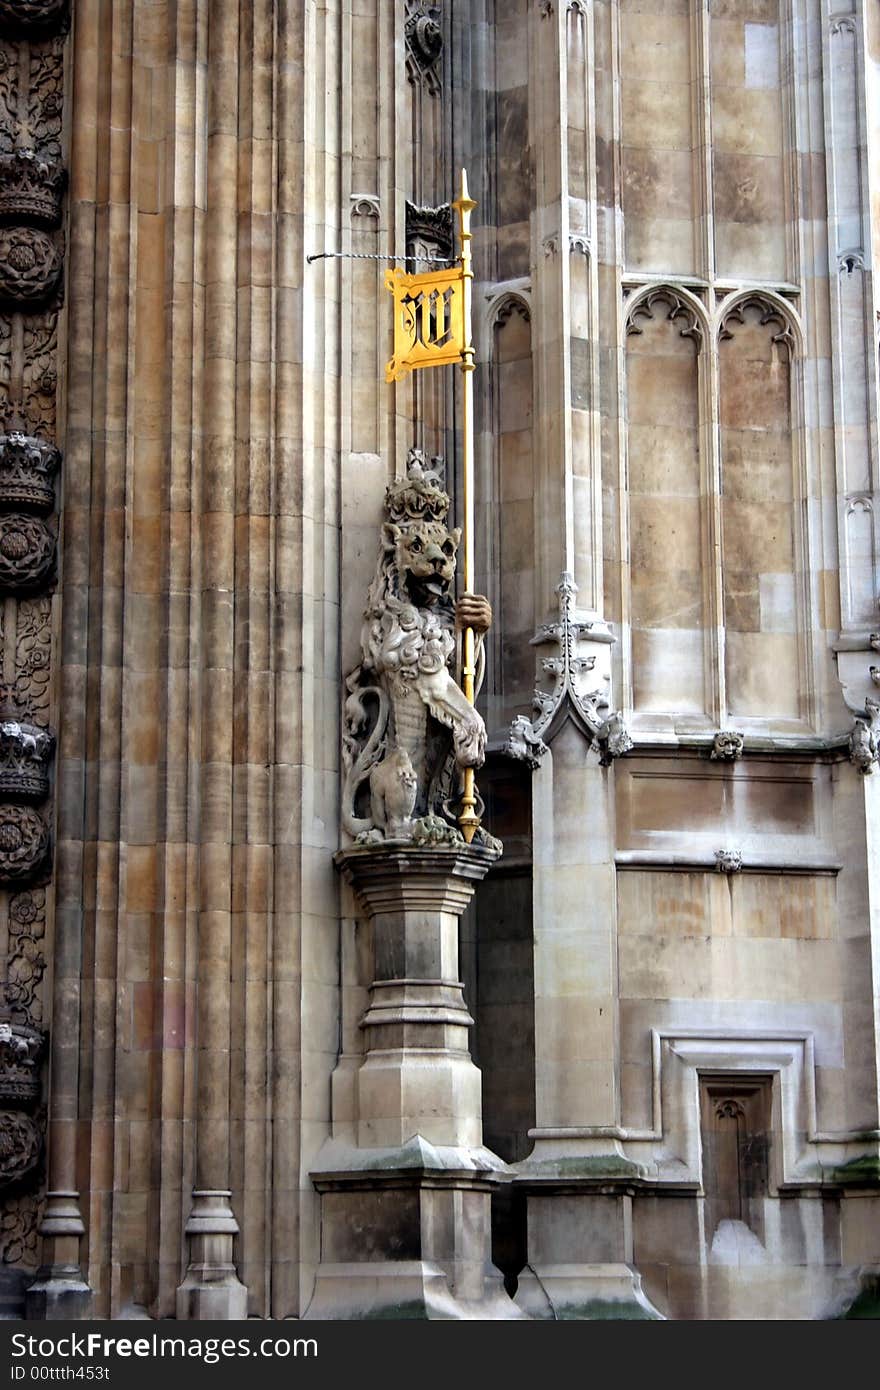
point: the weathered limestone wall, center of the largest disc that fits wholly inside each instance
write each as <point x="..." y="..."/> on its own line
<point x="677" y="415"/>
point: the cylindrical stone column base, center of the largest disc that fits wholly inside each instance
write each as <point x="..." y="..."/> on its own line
<point x="211" y="1289"/>
<point x="59" y="1291"/>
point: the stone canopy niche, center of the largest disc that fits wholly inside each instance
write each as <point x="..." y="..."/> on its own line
<point x="405" y="1181"/>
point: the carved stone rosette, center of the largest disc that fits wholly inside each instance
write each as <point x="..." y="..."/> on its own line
<point x="33" y="181"/>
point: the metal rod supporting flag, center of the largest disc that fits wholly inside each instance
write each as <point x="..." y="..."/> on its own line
<point x="464" y="206"/>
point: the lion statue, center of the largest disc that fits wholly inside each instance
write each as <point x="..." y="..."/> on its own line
<point x="408" y="726"/>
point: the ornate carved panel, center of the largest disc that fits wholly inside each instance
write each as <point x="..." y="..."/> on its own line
<point x="26" y="961"/>
<point x="33" y="181"/>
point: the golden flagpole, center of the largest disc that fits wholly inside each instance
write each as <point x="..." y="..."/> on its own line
<point x="464" y="206"/>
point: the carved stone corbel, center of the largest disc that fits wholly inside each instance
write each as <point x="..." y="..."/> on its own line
<point x="864" y="739"/>
<point x="590" y="710"/>
<point x="727" y="746"/>
<point x="728" y="861"/>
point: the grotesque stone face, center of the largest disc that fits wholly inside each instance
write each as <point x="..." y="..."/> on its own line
<point x="425" y="554"/>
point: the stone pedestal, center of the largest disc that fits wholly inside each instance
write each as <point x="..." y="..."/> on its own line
<point x="59" y="1292"/>
<point x="580" y="1248"/>
<point x="211" y="1288"/>
<point x="405" y="1210"/>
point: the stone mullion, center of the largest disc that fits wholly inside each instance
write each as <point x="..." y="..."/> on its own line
<point x="548" y="115"/>
<point x="99" y="1004"/>
<point x="218" y="578"/>
<point x="252" y="867"/>
<point x="364" y="400"/>
<point x="852" y="332"/>
<point x="211" y="1288"/>
<point x="319" y="636"/>
<point x="714" y="668"/>
<point x="182" y="194"/>
<point x="142" y="1022"/>
<point x="701" y="117"/>
<point x="586" y="427"/>
<point x="295" y="239"/>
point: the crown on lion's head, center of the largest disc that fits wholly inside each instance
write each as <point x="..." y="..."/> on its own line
<point x="420" y="496"/>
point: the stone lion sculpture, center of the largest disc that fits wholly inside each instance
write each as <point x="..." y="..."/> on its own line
<point x="407" y="724"/>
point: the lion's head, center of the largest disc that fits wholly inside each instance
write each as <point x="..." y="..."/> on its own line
<point x="423" y="555"/>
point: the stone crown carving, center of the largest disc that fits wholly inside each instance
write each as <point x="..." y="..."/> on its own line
<point x="590" y="710"/>
<point x="23" y="16"/>
<point x="31" y="188"/>
<point x="20" y="1050"/>
<point x="430" y="227"/>
<point x="27" y="473"/>
<point x="25" y="753"/>
<point x="407" y="724"/>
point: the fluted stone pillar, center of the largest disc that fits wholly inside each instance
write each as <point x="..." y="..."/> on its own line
<point x="406" y="1210"/>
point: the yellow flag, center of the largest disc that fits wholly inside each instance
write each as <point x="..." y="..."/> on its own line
<point x="429" y="326"/>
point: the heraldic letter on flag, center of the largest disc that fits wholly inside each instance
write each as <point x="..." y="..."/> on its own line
<point x="428" y="320"/>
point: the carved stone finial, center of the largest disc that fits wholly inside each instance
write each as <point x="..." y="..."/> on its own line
<point x="590" y="710"/>
<point x="728" y="861"/>
<point x="408" y="728"/>
<point x="727" y="746"/>
<point x="31" y="188"/>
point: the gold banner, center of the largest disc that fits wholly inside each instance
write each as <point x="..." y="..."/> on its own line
<point x="429" y="326"/>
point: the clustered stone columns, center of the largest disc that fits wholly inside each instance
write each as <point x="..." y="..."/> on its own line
<point x="406" y="1210"/>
